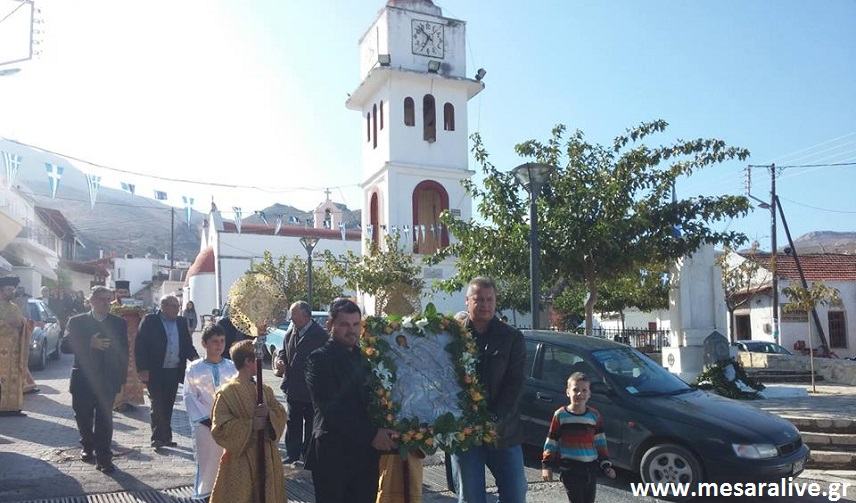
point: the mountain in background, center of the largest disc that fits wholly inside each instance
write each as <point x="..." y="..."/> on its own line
<point x="351" y="218"/>
<point x="826" y="242"/>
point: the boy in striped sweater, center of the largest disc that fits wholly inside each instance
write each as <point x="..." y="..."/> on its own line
<point x="576" y="444"/>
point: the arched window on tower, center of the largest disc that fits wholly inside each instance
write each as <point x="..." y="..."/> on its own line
<point x="374" y="220"/>
<point x="429" y="200"/>
<point x="448" y="117"/>
<point x="409" y="112"/>
<point x="374" y="126"/>
<point x="368" y="127"/>
<point x="380" y="115"/>
<point x="429" y="119"/>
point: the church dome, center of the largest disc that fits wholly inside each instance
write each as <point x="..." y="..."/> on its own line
<point x="425" y="6"/>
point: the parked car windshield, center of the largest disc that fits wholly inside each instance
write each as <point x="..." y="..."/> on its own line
<point x="638" y="374"/>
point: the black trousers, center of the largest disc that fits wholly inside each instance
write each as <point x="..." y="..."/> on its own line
<point x="94" y="415"/>
<point x="162" y="386"/>
<point x="581" y="482"/>
<point x="298" y="428"/>
<point x="341" y="474"/>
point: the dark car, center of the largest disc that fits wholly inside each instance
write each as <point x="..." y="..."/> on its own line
<point x="46" y="334"/>
<point x="655" y="423"/>
<point x="761" y="347"/>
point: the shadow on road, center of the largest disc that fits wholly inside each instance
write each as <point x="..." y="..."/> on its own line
<point x="18" y="482"/>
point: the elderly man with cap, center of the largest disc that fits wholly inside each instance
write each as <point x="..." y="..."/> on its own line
<point x="132" y="393"/>
<point x="99" y="342"/>
<point x="14" y="349"/>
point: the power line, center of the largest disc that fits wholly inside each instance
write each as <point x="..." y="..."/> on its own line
<point x="794" y="157"/>
<point x="179" y="180"/>
<point x="816" y="207"/>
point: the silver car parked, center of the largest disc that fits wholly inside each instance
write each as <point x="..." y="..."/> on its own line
<point x="46" y="334"/>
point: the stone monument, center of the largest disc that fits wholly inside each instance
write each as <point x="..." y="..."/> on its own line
<point x="696" y="310"/>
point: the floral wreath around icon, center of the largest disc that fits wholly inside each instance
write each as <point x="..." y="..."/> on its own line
<point x="449" y="433"/>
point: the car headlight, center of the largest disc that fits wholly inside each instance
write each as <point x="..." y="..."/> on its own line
<point x="755" y="451"/>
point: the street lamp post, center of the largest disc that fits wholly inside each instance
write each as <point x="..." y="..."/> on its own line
<point x="309" y="245"/>
<point x="532" y="176"/>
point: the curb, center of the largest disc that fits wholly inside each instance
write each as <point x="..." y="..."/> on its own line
<point x="825" y="425"/>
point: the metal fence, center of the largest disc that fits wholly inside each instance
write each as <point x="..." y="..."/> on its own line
<point x="643" y="339"/>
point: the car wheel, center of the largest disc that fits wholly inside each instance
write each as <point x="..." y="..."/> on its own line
<point x="56" y="351"/>
<point x="670" y="463"/>
<point x="42" y="361"/>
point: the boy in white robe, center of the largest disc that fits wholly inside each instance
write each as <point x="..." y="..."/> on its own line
<point x="201" y="381"/>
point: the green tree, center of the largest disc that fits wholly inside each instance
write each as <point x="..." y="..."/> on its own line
<point x="389" y="274"/>
<point x="738" y="281"/>
<point x="605" y="213"/>
<point x="291" y="272"/>
<point x="807" y="299"/>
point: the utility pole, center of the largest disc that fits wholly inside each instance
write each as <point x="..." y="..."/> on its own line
<point x="172" y="239"/>
<point x="774" y="252"/>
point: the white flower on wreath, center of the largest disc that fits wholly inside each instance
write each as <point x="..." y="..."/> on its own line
<point x="384" y="374"/>
<point x="407" y="322"/>
<point x="469" y="362"/>
<point x="422" y="323"/>
<point x="443" y="439"/>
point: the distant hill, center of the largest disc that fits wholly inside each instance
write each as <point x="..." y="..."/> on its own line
<point x="826" y="242"/>
<point x="350" y="217"/>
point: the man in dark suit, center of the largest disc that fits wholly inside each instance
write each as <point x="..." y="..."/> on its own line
<point x="162" y="350"/>
<point x="99" y="341"/>
<point x="303" y="337"/>
<point x="345" y="447"/>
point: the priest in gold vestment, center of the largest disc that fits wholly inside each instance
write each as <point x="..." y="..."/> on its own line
<point x="236" y="421"/>
<point x="14" y="349"/>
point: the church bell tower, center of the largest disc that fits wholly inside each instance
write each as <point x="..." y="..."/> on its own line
<point x="412" y="99"/>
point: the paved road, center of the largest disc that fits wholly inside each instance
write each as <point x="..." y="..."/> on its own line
<point x="38" y="455"/>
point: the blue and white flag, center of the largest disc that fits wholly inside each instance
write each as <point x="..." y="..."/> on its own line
<point x="422" y="231"/>
<point x="12" y="162"/>
<point x="343" y="230"/>
<point x="54" y="175"/>
<point x="237" y="211"/>
<point x="160" y="195"/>
<point x="293" y="220"/>
<point x="370" y="231"/>
<point x="130" y="188"/>
<point x="278" y="224"/>
<point x="261" y="215"/>
<point x="94" y="183"/>
<point x="188" y="208"/>
<point x="406" y="232"/>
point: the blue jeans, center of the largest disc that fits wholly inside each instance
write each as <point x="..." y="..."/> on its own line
<point x="505" y="464"/>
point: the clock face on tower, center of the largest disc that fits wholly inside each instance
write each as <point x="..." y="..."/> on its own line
<point x="427" y="38"/>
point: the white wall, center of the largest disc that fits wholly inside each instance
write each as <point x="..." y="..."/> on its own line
<point x="634" y="318"/>
<point x="201" y="289"/>
<point x="31" y="279"/>
<point x="79" y="281"/>
<point x="137" y="270"/>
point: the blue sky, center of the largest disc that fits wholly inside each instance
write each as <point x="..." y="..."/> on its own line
<point x="253" y="92"/>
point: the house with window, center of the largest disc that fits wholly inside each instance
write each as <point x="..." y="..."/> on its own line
<point x="753" y="319"/>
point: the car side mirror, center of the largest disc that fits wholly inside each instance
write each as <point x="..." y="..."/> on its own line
<point x="601" y="388"/>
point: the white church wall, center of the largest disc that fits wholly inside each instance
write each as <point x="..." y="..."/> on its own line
<point x="201" y="289"/>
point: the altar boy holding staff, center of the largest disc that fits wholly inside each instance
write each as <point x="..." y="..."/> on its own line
<point x="201" y="381"/>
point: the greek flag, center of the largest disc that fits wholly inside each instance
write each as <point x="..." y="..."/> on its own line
<point x="237" y="211"/>
<point x="13" y="164"/>
<point x="278" y="224"/>
<point x="94" y="183"/>
<point x="54" y="175"/>
<point x="160" y="195"/>
<point x="188" y="207"/>
<point x="128" y="187"/>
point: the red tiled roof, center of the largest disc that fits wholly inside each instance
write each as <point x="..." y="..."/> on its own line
<point x="204" y="263"/>
<point x="815" y="266"/>
<point x="294" y="231"/>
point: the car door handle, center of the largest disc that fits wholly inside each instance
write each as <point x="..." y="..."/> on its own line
<point x="544" y="397"/>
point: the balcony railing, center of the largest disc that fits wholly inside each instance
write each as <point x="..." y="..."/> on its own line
<point x="643" y="339"/>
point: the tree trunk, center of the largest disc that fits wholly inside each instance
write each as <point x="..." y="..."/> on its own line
<point x="591" y="287"/>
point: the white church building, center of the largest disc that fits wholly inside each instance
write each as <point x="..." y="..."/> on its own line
<point x="412" y="100"/>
